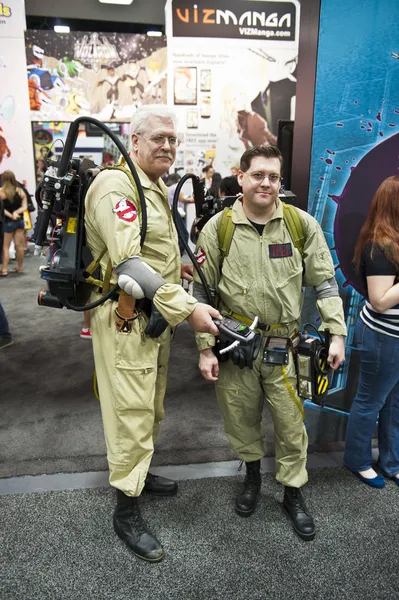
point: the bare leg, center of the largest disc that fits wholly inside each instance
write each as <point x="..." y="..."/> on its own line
<point x="6" y="252"/>
<point x="19" y="241"/>
<point x="86" y="319"/>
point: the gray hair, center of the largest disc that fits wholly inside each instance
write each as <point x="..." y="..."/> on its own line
<point x="145" y="111"/>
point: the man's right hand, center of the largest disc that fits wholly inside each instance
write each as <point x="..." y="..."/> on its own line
<point x="208" y="365"/>
<point x="201" y="319"/>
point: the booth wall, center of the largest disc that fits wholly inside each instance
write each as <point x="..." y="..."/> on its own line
<point x="16" y="149"/>
<point x="355" y="143"/>
<point x="140" y="11"/>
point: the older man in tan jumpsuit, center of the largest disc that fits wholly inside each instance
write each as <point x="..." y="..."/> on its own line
<point x="262" y="275"/>
<point x="131" y="366"/>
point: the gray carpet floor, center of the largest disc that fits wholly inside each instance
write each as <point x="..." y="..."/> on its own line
<point x="51" y="420"/>
<point x="61" y="545"/>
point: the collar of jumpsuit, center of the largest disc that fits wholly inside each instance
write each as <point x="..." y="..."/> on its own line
<point x="145" y="181"/>
<point x="240" y="218"/>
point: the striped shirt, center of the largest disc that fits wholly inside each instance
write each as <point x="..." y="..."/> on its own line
<point x="388" y="321"/>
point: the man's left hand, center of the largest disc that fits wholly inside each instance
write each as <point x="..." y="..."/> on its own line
<point x="336" y="354"/>
<point x="187" y="272"/>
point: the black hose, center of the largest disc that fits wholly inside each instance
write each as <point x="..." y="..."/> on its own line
<point x="197" y="186"/>
<point x="37" y="195"/>
<point x="67" y="155"/>
<point x="62" y="171"/>
<point x="98" y="302"/>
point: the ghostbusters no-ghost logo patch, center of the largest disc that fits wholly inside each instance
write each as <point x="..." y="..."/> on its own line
<point x="125" y="210"/>
<point x="200" y="256"/>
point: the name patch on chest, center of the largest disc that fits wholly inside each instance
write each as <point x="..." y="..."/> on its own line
<point x="280" y="250"/>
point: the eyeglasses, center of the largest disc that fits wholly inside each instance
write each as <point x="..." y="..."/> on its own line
<point x="260" y="177"/>
<point x="159" y="140"/>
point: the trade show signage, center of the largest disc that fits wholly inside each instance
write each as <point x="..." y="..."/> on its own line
<point x="231" y="76"/>
<point x="16" y="148"/>
<point x="249" y="19"/>
<point x="104" y="75"/>
<point x="12" y="19"/>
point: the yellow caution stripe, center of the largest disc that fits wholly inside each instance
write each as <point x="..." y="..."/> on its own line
<point x="292" y="392"/>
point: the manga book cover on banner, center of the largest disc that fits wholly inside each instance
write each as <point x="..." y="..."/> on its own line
<point x="104" y="75"/>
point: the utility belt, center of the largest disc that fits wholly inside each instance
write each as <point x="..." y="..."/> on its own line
<point x="274" y="348"/>
<point x="314" y="375"/>
<point x="268" y="327"/>
<point x="261" y="326"/>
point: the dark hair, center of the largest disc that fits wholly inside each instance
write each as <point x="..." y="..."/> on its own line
<point x="229" y="186"/>
<point x="265" y="151"/>
<point x="172" y="179"/>
<point x="9" y="185"/>
<point x="215" y="184"/>
<point x="381" y="225"/>
<point x="206" y="168"/>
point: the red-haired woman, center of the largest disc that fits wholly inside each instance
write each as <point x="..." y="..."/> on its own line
<point x="377" y="338"/>
<point x="15" y="203"/>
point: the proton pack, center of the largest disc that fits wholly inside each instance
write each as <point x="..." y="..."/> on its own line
<point x="71" y="271"/>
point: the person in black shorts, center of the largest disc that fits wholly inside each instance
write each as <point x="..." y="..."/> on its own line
<point x="14" y="203"/>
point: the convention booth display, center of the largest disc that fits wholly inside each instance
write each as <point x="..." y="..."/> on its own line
<point x="354" y="147"/>
<point x="194" y="68"/>
<point x="230" y="72"/>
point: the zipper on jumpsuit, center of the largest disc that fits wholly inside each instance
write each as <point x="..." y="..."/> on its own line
<point x="261" y="262"/>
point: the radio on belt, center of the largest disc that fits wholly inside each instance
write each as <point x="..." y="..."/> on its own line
<point x="276" y="351"/>
<point x="235" y="329"/>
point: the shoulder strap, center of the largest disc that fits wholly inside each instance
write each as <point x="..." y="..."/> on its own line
<point x="294" y="225"/>
<point x="225" y="232"/>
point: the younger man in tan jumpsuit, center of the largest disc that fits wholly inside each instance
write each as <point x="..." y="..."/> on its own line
<point x="131" y="366"/>
<point x="262" y="275"/>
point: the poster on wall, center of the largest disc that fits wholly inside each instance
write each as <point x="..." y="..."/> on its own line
<point x="45" y="138"/>
<point x="355" y="142"/>
<point x="16" y="153"/>
<point x="104" y="75"/>
<point x="232" y="76"/>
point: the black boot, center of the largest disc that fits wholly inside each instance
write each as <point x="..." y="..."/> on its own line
<point x="301" y="520"/>
<point x="159" y="486"/>
<point x="246" y="500"/>
<point x="130" y="527"/>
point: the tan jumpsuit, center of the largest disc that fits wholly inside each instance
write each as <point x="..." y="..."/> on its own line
<point x="253" y="283"/>
<point x="131" y="368"/>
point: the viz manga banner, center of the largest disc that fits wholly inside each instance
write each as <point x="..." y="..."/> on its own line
<point x="104" y="75"/>
<point x="232" y="76"/>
